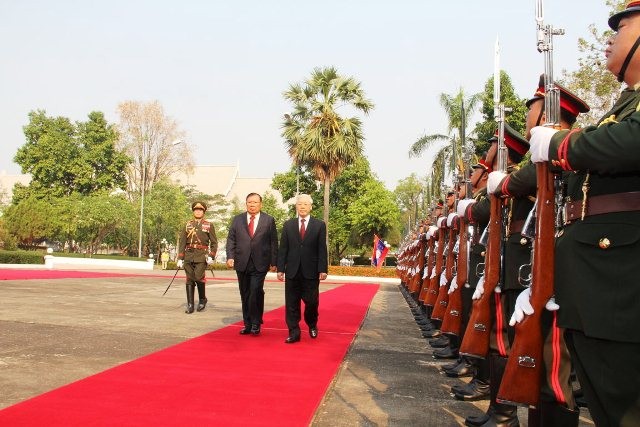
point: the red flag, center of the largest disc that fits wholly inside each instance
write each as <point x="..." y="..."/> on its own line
<point x="380" y="251"/>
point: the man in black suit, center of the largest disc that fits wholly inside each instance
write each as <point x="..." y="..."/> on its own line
<point x="252" y="249"/>
<point x="302" y="258"/>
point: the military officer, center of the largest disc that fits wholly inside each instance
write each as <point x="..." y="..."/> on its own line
<point x="597" y="269"/>
<point x="197" y="248"/>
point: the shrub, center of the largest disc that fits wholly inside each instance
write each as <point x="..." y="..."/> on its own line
<point x="361" y="271"/>
<point x="21" y="257"/>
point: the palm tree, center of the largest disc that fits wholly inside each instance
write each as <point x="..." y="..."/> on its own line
<point x="459" y="110"/>
<point x="316" y="135"/>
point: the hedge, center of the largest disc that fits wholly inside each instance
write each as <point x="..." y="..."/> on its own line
<point x="21" y="257"/>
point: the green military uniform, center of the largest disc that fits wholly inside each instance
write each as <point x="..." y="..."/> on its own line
<point x="197" y="242"/>
<point x="597" y="269"/>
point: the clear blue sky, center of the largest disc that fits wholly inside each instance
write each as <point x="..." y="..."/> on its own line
<point x="219" y="67"/>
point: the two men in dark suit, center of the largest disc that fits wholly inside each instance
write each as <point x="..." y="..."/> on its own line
<point x="252" y="247"/>
<point x="302" y="263"/>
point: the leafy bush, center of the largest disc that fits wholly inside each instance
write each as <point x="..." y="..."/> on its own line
<point x="361" y="271"/>
<point x="21" y="257"/>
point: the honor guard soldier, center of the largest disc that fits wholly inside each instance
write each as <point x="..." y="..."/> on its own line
<point x="596" y="253"/>
<point x="557" y="404"/>
<point x="197" y="248"/>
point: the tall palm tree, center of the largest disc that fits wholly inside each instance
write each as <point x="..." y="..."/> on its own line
<point x="459" y="110"/>
<point x="315" y="134"/>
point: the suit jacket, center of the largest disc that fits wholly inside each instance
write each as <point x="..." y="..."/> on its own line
<point x="262" y="248"/>
<point x="308" y="255"/>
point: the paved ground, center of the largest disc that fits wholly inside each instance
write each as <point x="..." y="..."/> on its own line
<point x="58" y="331"/>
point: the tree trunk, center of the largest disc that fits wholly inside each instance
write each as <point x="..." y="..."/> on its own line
<point x="327" y="185"/>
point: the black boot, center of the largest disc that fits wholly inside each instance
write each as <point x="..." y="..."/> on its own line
<point x="202" y="299"/>
<point x="553" y="414"/>
<point x="189" y="309"/>
<point x="503" y="415"/>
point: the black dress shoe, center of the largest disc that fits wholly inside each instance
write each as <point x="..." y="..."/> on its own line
<point x="434" y="333"/>
<point x="475" y="390"/>
<point x="313" y="333"/>
<point x="445" y="353"/>
<point x="245" y="331"/>
<point x="464" y="369"/>
<point x="439" y="342"/>
<point x="291" y="340"/>
<point x="255" y="329"/>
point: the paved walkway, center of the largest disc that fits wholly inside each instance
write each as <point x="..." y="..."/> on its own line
<point x="58" y="331"/>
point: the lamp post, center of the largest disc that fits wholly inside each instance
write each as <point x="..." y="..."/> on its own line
<point x="144" y="177"/>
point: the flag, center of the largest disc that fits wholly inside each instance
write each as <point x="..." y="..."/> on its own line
<point x="380" y="250"/>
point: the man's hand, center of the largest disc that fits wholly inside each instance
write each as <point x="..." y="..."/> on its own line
<point x="273" y="268"/>
<point x="209" y="260"/>
<point x="454" y="285"/>
<point x="494" y="180"/>
<point x="230" y="263"/>
<point x="280" y="276"/>
<point x="523" y="306"/>
<point x="443" y="279"/>
<point x="323" y="276"/>
<point x="451" y="218"/>
<point x="180" y="263"/>
<point x="539" y="143"/>
<point x="463" y="205"/>
<point x="479" y="289"/>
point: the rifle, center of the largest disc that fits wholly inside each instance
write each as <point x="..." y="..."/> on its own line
<point x="414" y="286"/>
<point x="476" y="336"/>
<point x="440" y="307"/>
<point x="523" y="373"/>
<point x="434" y="280"/>
<point x="452" y="322"/>
<point x="428" y="267"/>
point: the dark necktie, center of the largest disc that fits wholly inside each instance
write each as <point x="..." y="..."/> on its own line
<point x="251" y="218"/>
<point x="302" y="229"/>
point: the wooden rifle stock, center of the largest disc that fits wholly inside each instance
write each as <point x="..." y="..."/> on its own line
<point x="523" y="374"/>
<point x="428" y="267"/>
<point x="416" y="282"/>
<point x="476" y="337"/>
<point x="440" y="307"/>
<point x="452" y="322"/>
<point x="432" y="293"/>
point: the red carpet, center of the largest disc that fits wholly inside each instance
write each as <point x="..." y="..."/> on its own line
<point x="217" y="379"/>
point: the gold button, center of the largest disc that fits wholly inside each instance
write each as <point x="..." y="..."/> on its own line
<point x="523" y="241"/>
<point x="482" y="253"/>
<point x="604" y="243"/>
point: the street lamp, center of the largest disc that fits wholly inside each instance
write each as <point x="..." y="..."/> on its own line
<point x="144" y="173"/>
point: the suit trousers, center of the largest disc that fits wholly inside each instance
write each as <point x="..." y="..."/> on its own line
<point x="609" y="374"/>
<point x="251" y="285"/>
<point x="307" y="290"/>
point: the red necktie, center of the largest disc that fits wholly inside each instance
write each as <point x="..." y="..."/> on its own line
<point x="302" y="229"/>
<point x="252" y="217"/>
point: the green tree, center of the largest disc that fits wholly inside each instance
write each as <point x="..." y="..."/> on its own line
<point x="316" y="136"/>
<point x="375" y="212"/>
<point x="516" y="117"/>
<point x="63" y="158"/>
<point x="411" y="195"/>
<point x="270" y="206"/>
<point x="29" y="220"/>
<point x="592" y="82"/>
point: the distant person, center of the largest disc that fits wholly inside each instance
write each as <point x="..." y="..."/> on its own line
<point x="197" y="248"/>
<point x="302" y="260"/>
<point x="165" y="259"/>
<point x="252" y="250"/>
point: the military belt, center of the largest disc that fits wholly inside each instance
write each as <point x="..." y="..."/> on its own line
<point x="602" y="204"/>
<point x="197" y="247"/>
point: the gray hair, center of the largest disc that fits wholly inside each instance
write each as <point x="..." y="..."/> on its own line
<point x="304" y="198"/>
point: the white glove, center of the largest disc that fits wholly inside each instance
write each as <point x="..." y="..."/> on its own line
<point x="551" y="305"/>
<point x="450" y="218"/>
<point x="539" y="143"/>
<point x="433" y="274"/>
<point x="441" y="222"/>
<point x="454" y="285"/>
<point x="433" y="230"/>
<point x="425" y="273"/>
<point x="523" y="306"/>
<point x="494" y="180"/>
<point x="209" y="260"/>
<point x="462" y="206"/>
<point x="443" y="279"/>
<point x="180" y="263"/>
<point x="479" y="289"/>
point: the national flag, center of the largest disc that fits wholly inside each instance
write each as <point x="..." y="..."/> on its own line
<point x="380" y="251"/>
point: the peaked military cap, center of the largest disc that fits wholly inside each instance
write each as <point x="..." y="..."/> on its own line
<point x="632" y="7"/>
<point x="516" y="144"/>
<point x="568" y="101"/>
<point x="199" y="205"/>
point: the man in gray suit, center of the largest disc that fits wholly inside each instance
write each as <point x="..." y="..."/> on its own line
<point x="252" y="248"/>
<point x="302" y="257"/>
